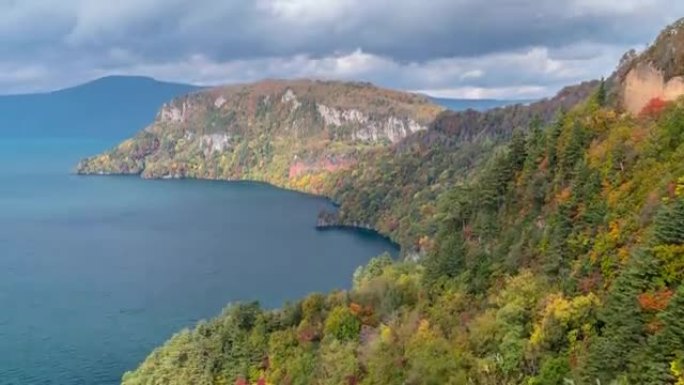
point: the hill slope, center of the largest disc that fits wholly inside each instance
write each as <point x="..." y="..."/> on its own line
<point x="557" y="260"/>
<point x="111" y="107"/>
<point x="429" y="163"/>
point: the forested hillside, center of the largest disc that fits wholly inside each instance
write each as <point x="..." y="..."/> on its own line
<point x="558" y="260"/>
<point x="396" y="190"/>
<point x="550" y="240"/>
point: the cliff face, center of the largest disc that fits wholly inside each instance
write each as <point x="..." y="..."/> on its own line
<point x="282" y="132"/>
<point x="656" y="73"/>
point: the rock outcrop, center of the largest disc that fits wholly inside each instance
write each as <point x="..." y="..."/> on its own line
<point x="657" y="73"/>
<point x="645" y="83"/>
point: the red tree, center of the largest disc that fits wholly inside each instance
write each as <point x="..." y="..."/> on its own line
<point x="654" y="107"/>
<point x="655" y="301"/>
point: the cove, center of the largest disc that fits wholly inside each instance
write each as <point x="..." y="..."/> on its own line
<point x="97" y="271"/>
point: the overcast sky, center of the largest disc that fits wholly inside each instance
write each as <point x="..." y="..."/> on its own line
<point x="456" y="48"/>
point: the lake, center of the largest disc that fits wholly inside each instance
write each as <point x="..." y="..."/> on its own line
<point x="97" y="271"/>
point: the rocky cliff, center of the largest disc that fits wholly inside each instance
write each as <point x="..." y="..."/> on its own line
<point x="657" y="73"/>
<point x="281" y="132"/>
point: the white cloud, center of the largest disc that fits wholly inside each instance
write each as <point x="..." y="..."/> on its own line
<point x="472" y="74"/>
<point x="517" y="92"/>
<point x="307" y="11"/>
<point x="611" y="7"/>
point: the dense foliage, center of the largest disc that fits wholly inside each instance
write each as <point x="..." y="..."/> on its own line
<point x="557" y="261"/>
<point x="396" y="190"/>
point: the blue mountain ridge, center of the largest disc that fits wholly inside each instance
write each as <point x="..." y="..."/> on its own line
<point x="111" y="107"/>
<point x="476" y="104"/>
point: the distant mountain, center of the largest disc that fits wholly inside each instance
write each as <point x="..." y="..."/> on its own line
<point x="476" y="104"/>
<point x="110" y="107"/>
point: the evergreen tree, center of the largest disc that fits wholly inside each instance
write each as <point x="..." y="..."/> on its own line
<point x="669" y="227"/>
<point x="552" y="137"/>
<point x="654" y="367"/>
<point x="602" y="94"/>
<point x="447" y="261"/>
<point x="573" y="151"/>
<point x="518" y="150"/>
<point x="622" y="336"/>
<point x="557" y="256"/>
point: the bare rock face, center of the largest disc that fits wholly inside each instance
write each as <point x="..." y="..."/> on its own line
<point x="369" y="129"/>
<point x="657" y="73"/>
<point x="173" y="113"/>
<point x="645" y="83"/>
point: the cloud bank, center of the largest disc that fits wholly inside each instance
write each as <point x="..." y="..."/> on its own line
<point x="457" y="48"/>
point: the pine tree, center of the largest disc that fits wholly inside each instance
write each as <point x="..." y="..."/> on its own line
<point x="446" y="262"/>
<point x="554" y="133"/>
<point x="573" y="151"/>
<point x="669" y="227"/>
<point x="602" y="94"/>
<point x="518" y="150"/>
<point x="622" y="337"/>
<point x="664" y="347"/>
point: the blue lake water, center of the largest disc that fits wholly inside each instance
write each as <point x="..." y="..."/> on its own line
<point x="97" y="271"/>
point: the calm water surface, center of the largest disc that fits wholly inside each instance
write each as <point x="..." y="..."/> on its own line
<point x="97" y="271"/>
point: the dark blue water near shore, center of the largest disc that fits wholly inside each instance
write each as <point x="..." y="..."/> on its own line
<point x="97" y="271"/>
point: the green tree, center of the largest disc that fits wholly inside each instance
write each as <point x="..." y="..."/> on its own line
<point x="669" y="227"/>
<point x="601" y="95"/>
<point x="342" y="324"/>
<point x="339" y="364"/>
<point x="622" y="335"/>
<point x="447" y="261"/>
<point x="664" y="348"/>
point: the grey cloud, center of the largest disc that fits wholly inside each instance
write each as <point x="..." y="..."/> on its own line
<point x="413" y="44"/>
<point x="405" y="30"/>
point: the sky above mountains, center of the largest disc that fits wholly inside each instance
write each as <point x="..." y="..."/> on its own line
<point x="448" y="48"/>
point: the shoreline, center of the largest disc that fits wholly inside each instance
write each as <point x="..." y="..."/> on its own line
<point x="359" y="229"/>
<point x="317" y="225"/>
